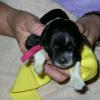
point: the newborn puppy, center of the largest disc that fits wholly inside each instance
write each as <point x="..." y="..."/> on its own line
<point x="63" y="43"/>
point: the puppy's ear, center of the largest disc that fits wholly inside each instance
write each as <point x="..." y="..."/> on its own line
<point x="32" y="40"/>
<point x="53" y="14"/>
<point x="53" y="27"/>
<point x="45" y="37"/>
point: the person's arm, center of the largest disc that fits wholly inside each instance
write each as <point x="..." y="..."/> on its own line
<point x="20" y="24"/>
<point x="6" y="14"/>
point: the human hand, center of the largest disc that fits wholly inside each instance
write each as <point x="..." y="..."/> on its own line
<point x="89" y="27"/>
<point x="23" y="24"/>
<point x="57" y="74"/>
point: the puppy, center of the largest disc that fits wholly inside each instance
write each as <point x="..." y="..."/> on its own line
<point x="63" y="43"/>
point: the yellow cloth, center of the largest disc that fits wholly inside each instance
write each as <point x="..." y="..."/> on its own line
<point x="28" y="81"/>
<point x="89" y="64"/>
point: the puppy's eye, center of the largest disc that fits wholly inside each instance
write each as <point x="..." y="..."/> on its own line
<point x="55" y="47"/>
<point x="69" y="47"/>
<point x="46" y="47"/>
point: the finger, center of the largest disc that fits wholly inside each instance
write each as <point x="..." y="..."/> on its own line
<point x="81" y="27"/>
<point x="36" y="28"/>
<point x="63" y="71"/>
<point x="21" y="38"/>
<point x="57" y="75"/>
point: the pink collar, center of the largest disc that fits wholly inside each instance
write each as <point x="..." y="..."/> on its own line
<point x="31" y="52"/>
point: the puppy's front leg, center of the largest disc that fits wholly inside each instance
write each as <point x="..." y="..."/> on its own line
<point x="39" y="59"/>
<point x="75" y="78"/>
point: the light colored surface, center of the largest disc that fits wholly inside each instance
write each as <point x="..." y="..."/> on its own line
<point x="10" y="61"/>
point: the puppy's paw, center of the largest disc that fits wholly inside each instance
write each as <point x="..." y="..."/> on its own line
<point x="39" y="59"/>
<point x="38" y="68"/>
<point x="77" y="83"/>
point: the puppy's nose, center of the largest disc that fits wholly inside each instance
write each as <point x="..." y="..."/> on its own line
<point x="63" y="60"/>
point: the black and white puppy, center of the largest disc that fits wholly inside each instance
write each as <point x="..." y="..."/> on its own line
<point x="63" y="43"/>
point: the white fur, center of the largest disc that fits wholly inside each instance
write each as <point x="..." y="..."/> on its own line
<point x="39" y="59"/>
<point x="75" y="78"/>
<point x="76" y="81"/>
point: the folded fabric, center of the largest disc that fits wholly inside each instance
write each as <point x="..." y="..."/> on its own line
<point x="27" y="81"/>
<point x="89" y="64"/>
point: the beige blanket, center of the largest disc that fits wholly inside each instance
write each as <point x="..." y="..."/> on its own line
<point x="10" y="60"/>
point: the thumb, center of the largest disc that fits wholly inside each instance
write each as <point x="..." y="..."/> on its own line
<point x="81" y="27"/>
<point x="37" y="29"/>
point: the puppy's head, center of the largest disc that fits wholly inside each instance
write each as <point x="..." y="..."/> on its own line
<point x="62" y="40"/>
